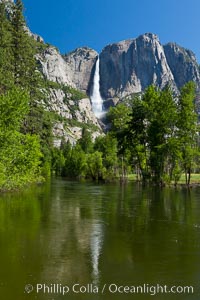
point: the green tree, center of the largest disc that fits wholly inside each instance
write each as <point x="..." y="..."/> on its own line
<point x="66" y="149"/>
<point x="136" y="138"/>
<point x="162" y="134"/>
<point x="23" y="49"/>
<point x="6" y="58"/>
<point x="57" y="161"/>
<point x="187" y="128"/>
<point x="26" y="74"/>
<point x="13" y="108"/>
<point x="20" y="154"/>
<point x="161" y="128"/>
<point x="95" y="167"/>
<point x="107" y="146"/>
<point x="119" y="116"/>
<point x="75" y="162"/>
<point x="86" y="141"/>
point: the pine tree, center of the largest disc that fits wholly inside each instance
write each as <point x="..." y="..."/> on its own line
<point x="6" y="59"/>
<point x="23" y="50"/>
<point x="26" y="74"/>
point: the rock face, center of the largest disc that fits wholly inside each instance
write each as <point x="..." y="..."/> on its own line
<point x="36" y="37"/>
<point x="126" y="67"/>
<point x="73" y="113"/>
<point x="81" y="63"/>
<point x="8" y="1"/>
<point x="130" y="66"/>
<point x="183" y="64"/>
<point x="53" y="66"/>
<point x="75" y="69"/>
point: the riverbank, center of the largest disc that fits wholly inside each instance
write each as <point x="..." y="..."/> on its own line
<point x="195" y="180"/>
<point x="12" y="186"/>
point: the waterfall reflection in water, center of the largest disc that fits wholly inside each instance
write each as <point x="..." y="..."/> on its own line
<point x="95" y="246"/>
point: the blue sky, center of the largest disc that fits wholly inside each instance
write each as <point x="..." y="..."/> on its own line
<point x="69" y="24"/>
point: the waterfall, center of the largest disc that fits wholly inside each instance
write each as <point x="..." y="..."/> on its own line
<point x="97" y="101"/>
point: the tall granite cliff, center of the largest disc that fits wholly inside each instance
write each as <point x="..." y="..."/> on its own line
<point x="53" y="66"/>
<point x="126" y="67"/>
<point x="183" y="64"/>
<point x="75" y="68"/>
<point x="81" y="63"/>
<point x="130" y="66"/>
<point x="67" y="75"/>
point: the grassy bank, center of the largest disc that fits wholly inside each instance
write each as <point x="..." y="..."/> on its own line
<point x="195" y="178"/>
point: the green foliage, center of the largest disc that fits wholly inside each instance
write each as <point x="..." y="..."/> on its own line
<point x="187" y="125"/>
<point x="107" y="145"/>
<point x="119" y="116"/>
<point x="26" y="149"/>
<point x="160" y="133"/>
<point x="22" y="119"/>
<point x="160" y="130"/>
<point x="13" y="108"/>
<point x="25" y="71"/>
<point x="95" y="167"/>
<point x="6" y="58"/>
<point x="154" y="133"/>
<point x="86" y="141"/>
<point x="71" y="161"/>
<point x="96" y="161"/>
<point x="89" y="126"/>
<point x="22" y="48"/>
<point x="20" y="154"/>
<point x="58" y="161"/>
<point x="74" y="94"/>
<point x="159" y="144"/>
<point x="70" y="93"/>
<point x="136" y="136"/>
<point x="53" y="85"/>
<point x="77" y="164"/>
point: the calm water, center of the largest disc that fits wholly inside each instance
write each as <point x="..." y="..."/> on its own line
<point x="68" y="233"/>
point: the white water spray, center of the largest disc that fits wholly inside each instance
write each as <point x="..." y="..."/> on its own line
<point x="97" y="101"/>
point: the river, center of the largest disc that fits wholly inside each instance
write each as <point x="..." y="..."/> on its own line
<point x="94" y="241"/>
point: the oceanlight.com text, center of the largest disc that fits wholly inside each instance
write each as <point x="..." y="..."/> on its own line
<point x="111" y="288"/>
